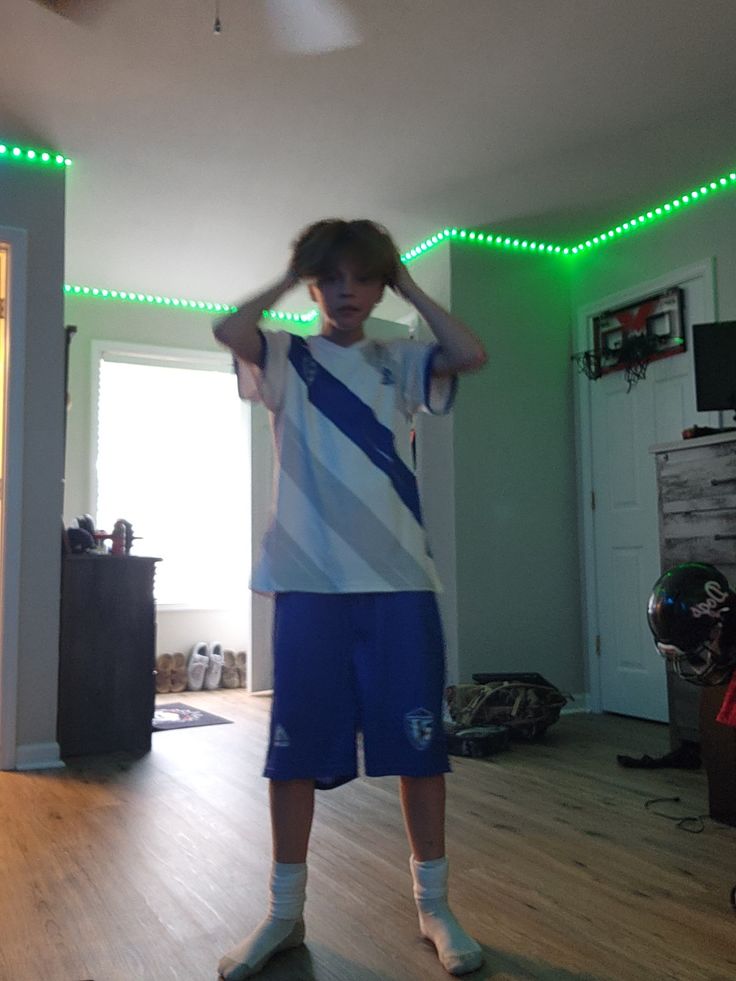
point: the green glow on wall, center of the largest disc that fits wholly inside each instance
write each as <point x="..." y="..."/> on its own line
<point x="482" y="239"/>
<point x="33" y="156"/>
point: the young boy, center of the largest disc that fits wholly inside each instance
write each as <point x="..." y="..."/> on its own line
<point x="357" y="637"/>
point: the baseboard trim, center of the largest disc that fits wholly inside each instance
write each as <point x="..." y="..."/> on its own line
<point x="580" y="703"/>
<point x="38" y="756"/>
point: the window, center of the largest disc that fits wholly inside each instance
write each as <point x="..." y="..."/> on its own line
<point x="173" y="459"/>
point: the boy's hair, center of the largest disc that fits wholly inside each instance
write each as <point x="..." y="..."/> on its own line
<point x="321" y="247"/>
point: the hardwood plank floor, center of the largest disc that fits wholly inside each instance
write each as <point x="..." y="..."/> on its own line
<point x="146" y="870"/>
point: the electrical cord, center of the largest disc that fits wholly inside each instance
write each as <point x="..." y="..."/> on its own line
<point x="692" y="824"/>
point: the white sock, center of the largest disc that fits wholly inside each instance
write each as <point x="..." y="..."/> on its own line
<point x="457" y="951"/>
<point x="282" y="929"/>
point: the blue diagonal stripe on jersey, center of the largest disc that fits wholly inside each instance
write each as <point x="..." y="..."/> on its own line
<point x="357" y="421"/>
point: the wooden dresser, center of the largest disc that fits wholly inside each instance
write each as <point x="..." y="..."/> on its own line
<point x="107" y="654"/>
<point x="696" y="482"/>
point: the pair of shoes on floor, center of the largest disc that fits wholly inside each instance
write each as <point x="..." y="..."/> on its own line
<point x="234" y="670"/>
<point x="204" y="669"/>
<point x="210" y="667"/>
<point x="171" y="673"/>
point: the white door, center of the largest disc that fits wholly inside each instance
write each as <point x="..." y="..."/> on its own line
<point x="622" y="538"/>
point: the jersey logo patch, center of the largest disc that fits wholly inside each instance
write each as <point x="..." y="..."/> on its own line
<point x="387" y="377"/>
<point x="419" y="726"/>
<point x="281" y="737"/>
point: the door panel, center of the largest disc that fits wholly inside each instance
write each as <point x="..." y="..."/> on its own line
<point x="624" y="426"/>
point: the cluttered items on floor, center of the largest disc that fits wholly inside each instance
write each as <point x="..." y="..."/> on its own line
<point x="483" y="717"/>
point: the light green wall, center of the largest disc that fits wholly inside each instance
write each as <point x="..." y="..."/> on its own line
<point x="519" y="586"/>
<point x="517" y="559"/>
<point x="707" y="230"/>
<point x="32" y="198"/>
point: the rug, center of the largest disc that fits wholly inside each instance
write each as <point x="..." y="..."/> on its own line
<point x="176" y="715"/>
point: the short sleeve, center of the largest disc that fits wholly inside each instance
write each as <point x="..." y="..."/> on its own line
<point x="421" y="390"/>
<point x="267" y="384"/>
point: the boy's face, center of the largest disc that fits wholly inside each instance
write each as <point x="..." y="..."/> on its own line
<point x="346" y="298"/>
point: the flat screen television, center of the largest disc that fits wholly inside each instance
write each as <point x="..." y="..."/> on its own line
<point x="714" y="355"/>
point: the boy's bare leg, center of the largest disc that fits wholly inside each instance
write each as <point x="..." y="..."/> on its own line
<point x="423" y="804"/>
<point x="292" y="809"/>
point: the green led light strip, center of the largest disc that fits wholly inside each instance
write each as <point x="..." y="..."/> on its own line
<point x="29" y="155"/>
<point x="180" y="303"/>
<point x="481" y="238"/>
<point x="302" y="318"/>
<point x="519" y="243"/>
<point x="129" y="296"/>
<point x="654" y="214"/>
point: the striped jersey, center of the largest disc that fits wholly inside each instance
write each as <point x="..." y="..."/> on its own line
<point x="346" y="515"/>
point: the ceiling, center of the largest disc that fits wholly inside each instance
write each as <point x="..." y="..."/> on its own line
<point x="197" y="157"/>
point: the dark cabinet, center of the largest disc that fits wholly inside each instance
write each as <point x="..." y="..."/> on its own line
<point x="718" y="747"/>
<point x="107" y="654"/>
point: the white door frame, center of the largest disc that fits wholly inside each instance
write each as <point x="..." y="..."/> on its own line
<point x="706" y="270"/>
<point x="17" y="239"/>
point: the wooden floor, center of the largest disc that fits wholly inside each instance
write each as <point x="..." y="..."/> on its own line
<point x="146" y="870"/>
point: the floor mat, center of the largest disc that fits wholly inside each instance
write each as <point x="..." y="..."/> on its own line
<point x="176" y="715"/>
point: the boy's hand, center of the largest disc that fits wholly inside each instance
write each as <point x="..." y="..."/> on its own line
<point x="460" y="350"/>
<point x="403" y="284"/>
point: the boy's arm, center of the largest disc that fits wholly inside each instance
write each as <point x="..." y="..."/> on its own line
<point x="460" y="350"/>
<point x="240" y="331"/>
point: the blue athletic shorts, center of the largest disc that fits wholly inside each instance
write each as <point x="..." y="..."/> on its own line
<point x="357" y="662"/>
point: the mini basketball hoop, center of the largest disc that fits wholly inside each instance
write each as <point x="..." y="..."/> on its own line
<point x="630" y="338"/>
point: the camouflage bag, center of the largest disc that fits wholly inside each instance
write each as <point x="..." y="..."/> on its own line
<point x="526" y="704"/>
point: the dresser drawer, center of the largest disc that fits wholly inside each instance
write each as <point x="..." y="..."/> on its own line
<point x="699" y="536"/>
<point x="701" y="478"/>
<point x="718" y="524"/>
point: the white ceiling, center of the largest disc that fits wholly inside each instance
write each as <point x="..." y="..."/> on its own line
<point x="198" y="157"/>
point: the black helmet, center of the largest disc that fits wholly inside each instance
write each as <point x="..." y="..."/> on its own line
<point x="692" y="614"/>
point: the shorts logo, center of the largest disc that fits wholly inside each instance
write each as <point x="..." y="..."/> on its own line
<point x="419" y="725"/>
<point x="281" y="737"/>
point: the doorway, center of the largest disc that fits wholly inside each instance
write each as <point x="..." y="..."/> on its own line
<point x="618" y="494"/>
<point x="13" y="250"/>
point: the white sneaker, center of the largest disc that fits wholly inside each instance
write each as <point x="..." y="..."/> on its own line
<point x="199" y="660"/>
<point x="213" y="674"/>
